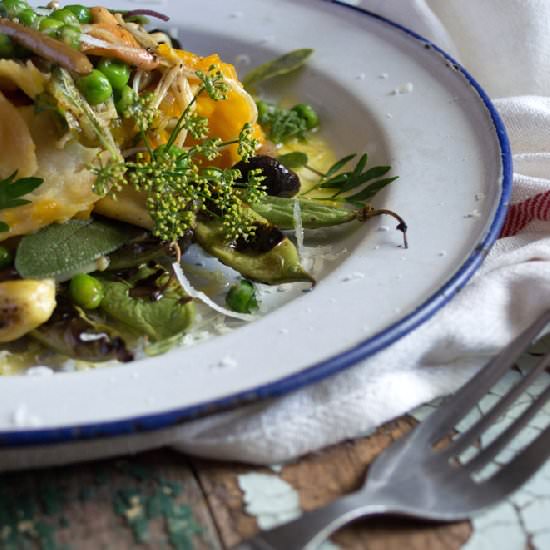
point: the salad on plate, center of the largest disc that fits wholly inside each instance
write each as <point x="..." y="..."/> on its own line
<point x="146" y="191"/>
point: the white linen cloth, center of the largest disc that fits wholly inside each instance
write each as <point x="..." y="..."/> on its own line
<point x="506" y="46"/>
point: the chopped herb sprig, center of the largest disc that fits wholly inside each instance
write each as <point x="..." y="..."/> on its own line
<point x="178" y="184"/>
<point x="344" y="182"/>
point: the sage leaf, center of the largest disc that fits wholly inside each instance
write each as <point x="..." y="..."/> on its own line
<point x="60" y="250"/>
<point x="279" y="66"/>
<point x="293" y="160"/>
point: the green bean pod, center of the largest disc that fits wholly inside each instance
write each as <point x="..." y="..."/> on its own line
<point x="279" y="265"/>
<point x="280" y="212"/>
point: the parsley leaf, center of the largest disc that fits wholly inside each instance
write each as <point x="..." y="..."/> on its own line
<point x="351" y="180"/>
<point x="11" y="191"/>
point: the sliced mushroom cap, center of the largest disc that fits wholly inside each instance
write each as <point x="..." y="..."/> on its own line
<point x="53" y="50"/>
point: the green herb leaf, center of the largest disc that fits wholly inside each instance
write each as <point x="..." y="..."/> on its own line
<point x="293" y="160"/>
<point x="357" y="179"/>
<point x="337" y="166"/>
<point x="369" y="192"/>
<point x="61" y="250"/>
<point x="344" y="182"/>
<point x="281" y="124"/>
<point x="11" y="191"/>
<point x="280" y="66"/>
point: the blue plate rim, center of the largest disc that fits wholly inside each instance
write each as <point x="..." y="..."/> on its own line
<point x="332" y="365"/>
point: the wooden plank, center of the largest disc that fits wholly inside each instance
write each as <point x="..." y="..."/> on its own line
<point x="148" y="501"/>
<point x="319" y="479"/>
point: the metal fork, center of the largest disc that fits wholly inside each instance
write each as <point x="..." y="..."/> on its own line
<point x="416" y="478"/>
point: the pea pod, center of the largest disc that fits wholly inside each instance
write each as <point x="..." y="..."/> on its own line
<point x="280" y="212"/>
<point x="159" y="320"/>
<point x="75" y="338"/>
<point x="278" y="265"/>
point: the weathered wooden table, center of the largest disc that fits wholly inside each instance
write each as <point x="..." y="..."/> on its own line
<point x="164" y="500"/>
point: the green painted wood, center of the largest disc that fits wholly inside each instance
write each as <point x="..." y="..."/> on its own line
<point x="148" y="501"/>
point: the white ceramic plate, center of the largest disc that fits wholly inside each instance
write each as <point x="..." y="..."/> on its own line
<point x="443" y="139"/>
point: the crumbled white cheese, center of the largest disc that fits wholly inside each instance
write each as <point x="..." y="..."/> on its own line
<point x="242" y="59"/>
<point x="92" y="336"/>
<point x="384" y="76"/>
<point x="40" y="371"/>
<point x="355" y="276"/>
<point x="473" y="214"/>
<point x="226" y="362"/>
<point x="407" y="88"/>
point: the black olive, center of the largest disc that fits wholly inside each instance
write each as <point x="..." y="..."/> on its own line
<point x="279" y="180"/>
<point x="266" y="238"/>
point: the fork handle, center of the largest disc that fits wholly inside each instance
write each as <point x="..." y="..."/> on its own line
<point x="313" y="528"/>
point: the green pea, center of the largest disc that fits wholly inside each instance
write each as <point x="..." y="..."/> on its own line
<point x="125" y="98"/>
<point x="65" y="16"/>
<point x="29" y="18"/>
<point x="14" y="7"/>
<point x="116" y="72"/>
<point x="242" y="297"/>
<point x="86" y="291"/>
<point x="70" y="35"/>
<point x="95" y="87"/>
<point x="7" y="47"/>
<point x="50" y="26"/>
<point x="6" y="258"/>
<point x="82" y="13"/>
<point x="308" y="114"/>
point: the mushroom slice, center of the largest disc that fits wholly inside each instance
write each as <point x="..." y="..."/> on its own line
<point x="108" y="38"/>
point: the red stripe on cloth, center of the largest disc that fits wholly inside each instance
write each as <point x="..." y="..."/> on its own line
<point x="523" y="213"/>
